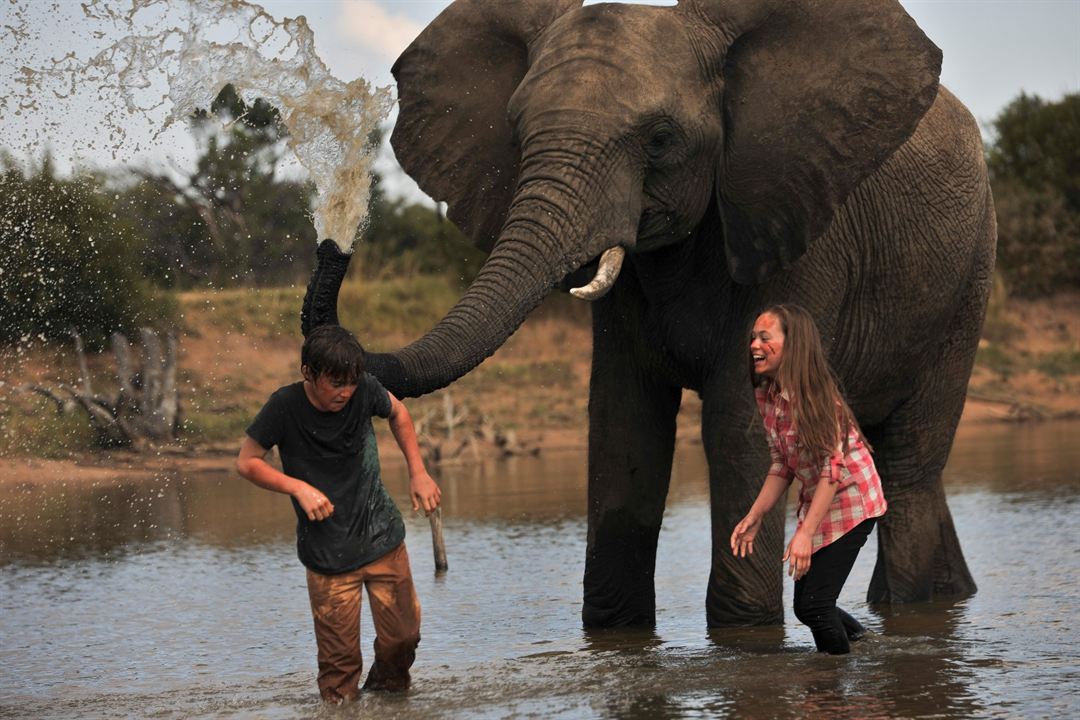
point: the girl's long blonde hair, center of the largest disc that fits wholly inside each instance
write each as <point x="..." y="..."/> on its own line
<point x="820" y="414"/>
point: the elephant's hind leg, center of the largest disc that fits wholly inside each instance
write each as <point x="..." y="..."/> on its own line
<point x="919" y="555"/>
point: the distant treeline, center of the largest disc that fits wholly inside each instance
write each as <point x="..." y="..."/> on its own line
<point x="102" y="251"/>
<point x="1034" y="161"/>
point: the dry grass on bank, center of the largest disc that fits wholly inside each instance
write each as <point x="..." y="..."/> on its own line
<point x="258" y="351"/>
<point x="1028" y="364"/>
<point x="237" y="346"/>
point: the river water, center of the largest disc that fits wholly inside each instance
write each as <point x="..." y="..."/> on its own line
<point x="182" y="597"/>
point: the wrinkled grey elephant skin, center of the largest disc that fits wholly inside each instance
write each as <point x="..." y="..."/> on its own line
<point x="741" y="153"/>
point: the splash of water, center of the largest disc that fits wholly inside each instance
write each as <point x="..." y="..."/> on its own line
<point x="196" y="47"/>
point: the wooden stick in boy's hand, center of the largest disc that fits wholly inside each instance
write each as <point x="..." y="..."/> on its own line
<point x="437" y="542"/>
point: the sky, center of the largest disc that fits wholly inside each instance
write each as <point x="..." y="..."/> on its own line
<point x="993" y="50"/>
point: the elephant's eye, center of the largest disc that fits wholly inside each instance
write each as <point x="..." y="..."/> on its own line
<point x="660" y="141"/>
<point x="663" y="141"/>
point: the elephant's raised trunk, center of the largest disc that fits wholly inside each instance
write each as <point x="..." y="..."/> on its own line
<point x="551" y="231"/>
<point x="320" y="300"/>
<point x="522" y="268"/>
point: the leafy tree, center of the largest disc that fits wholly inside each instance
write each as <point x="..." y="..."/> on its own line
<point x="232" y="219"/>
<point x="1034" y="162"/>
<point x="1038" y="239"/>
<point x="1037" y="144"/>
<point x="70" y="262"/>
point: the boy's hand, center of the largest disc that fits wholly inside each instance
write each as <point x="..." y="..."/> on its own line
<point x="314" y="504"/>
<point x="425" y="493"/>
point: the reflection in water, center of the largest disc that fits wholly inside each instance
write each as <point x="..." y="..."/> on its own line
<point x="47" y="524"/>
<point x="182" y="597"/>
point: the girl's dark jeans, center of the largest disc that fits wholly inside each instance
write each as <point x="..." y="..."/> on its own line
<point x="816" y="592"/>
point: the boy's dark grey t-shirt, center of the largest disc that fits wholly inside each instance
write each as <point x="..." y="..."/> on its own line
<point x="335" y="452"/>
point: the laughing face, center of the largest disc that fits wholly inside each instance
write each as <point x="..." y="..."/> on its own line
<point x="767" y="345"/>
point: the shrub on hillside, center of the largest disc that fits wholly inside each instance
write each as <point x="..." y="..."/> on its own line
<point x="1034" y="162"/>
<point x="1038" y="239"/>
<point x="69" y="263"/>
<point x="405" y="239"/>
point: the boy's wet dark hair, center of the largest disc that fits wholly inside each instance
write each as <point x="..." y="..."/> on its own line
<point x="331" y="350"/>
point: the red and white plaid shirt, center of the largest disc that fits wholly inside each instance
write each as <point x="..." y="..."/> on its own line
<point x="858" y="496"/>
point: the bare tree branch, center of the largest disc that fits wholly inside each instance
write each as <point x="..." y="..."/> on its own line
<point x="147" y="405"/>
<point x="84" y="371"/>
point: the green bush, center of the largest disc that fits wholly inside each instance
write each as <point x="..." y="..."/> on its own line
<point x="31" y="425"/>
<point x="400" y="238"/>
<point x="1037" y="143"/>
<point x="1038" y="246"/>
<point x="404" y="239"/>
<point x="70" y="262"/>
<point x="1034" y="162"/>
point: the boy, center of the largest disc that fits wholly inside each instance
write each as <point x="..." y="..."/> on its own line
<point x="348" y="532"/>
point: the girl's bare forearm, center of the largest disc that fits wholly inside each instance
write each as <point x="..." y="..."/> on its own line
<point x="771" y="491"/>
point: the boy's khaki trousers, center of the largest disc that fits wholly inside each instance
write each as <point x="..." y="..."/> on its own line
<point x="335" y="604"/>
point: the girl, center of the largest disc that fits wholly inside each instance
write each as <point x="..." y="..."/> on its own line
<point x="812" y="435"/>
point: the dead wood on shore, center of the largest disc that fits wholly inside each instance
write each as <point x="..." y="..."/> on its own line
<point x="146" y="406"/>
<point x="456" y="435"/>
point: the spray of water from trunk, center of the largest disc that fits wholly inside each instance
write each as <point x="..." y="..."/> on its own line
<point x="174" y="56"/>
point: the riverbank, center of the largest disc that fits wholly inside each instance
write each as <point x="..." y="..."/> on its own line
<point x="237" y="346"/>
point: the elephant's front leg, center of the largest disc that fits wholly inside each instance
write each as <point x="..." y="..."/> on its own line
<point x="742" y="591"/>
<point x="631" y="441"/>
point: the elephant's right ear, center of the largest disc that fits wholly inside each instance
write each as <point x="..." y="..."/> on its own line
<point x="454" y="83"/>
<point x="817" y="95"/>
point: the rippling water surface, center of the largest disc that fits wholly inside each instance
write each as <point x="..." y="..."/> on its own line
<point x="182" y="597"/>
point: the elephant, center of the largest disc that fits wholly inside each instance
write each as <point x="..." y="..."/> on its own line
<point x="702" y="161"/>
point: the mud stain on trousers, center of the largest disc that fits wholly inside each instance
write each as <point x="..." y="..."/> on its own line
<point x="395" y="610"/>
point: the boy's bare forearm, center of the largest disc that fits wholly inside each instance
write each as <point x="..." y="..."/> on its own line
<point x="252" y="466"/>
<point x="401" y="425"/>
<point x="404" y="432"/>
<point x="423" y="489"/>
<point x="263" y="474"/>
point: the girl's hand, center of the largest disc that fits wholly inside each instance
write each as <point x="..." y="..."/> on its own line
<point x="798" y="552"/>
<point x="742" y="537"/>
<point x="424" y="492"/>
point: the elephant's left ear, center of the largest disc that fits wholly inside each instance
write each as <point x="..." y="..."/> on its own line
<point x="817" y="95"/>
<point x="454" y="83"/>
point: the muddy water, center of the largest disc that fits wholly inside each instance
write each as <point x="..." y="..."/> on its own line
<point x="182" y="598"/>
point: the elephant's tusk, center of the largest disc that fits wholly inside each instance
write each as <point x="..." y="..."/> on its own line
<point x="610" y="265"/>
